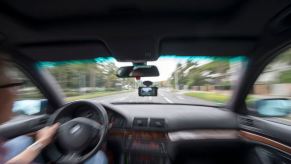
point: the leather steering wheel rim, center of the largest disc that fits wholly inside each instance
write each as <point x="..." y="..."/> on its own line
<point x="85" y="123"/>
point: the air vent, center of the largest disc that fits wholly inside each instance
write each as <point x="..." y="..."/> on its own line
<point x="43" y="121"/>
<point x="157" y="123"/>
<point x="246" y="121"/>
<point x="140" y="122"/>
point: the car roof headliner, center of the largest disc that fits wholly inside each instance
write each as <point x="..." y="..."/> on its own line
<point x="132" y="30"/>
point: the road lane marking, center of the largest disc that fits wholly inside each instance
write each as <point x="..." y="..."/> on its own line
<point x="180" y="97"/>
<point x="169" y="101"/>
<point x="123" y="98"/>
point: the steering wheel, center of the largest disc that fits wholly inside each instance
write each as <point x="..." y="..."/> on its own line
<point x="79" y="138"/>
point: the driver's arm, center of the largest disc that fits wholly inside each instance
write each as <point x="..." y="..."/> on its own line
<point x="43" y="138"/>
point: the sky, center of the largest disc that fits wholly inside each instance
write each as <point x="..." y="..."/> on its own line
<point x="166" y="66"/>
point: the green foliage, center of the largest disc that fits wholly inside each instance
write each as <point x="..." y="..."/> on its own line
<point x="215" y="97"/>
<point x="75" y="76"/>
<point x="194" y="75"/>
<point x="225" y="85"/>
<point x="219" y="66"/>
<point x="93" y="95"/>
<point x="284" y="57"/>
<point x="30" y="96"/>
<point x="196" y="79"/>
<point x="285" y="77"/>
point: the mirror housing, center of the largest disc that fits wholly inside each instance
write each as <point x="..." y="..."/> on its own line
<point x="277" y="107"/>
<point x="30" y="107"/>
<point x="148" y="83"/>
<point x="138" y="71"/>
<point x="147" y="91"/>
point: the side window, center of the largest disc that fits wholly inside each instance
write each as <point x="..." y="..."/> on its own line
<point x="271" y="94"/>
<point x="29" y="100"/>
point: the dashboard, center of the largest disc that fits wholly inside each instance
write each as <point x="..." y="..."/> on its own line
<point x="164" y="118"/>
<point x="172" y="117"/>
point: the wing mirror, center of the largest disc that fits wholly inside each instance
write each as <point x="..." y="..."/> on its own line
<point x="30" y="107"/>
<point x="138" y="71"/>
<point x="278" y="107"/>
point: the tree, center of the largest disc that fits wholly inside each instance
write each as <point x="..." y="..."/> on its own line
<point x="195" y="78"/>
<point x="192" y="74"/>
<point x="284" y="57"/>
<point x="220" y="66"/>
<point x="285" y="77"/>
<point x="110" y="75"/>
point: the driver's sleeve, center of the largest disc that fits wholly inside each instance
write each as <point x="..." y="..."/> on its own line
<point x="16" y="146"/>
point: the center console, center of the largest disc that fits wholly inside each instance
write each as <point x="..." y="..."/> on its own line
<point x="146" y="147"/>
<point x="145" y="143"/>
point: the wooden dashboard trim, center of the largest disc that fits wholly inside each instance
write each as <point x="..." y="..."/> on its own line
<point x="147" y="135"/>
<point x="264" y="140"/>
<point x="177" y="135"/>
<point x="203" y="134"/>
<point x="200" y="134"/>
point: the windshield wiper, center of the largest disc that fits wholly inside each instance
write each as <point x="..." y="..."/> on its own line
<point x="158" y="103"/>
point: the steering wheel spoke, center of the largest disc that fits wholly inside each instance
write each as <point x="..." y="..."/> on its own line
<point x="71" y="157"/>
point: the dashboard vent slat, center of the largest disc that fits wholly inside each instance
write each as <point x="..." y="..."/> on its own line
<point x="157" y="123"/>
<point x="247" y="121"/>
<point x="140" y="122"/>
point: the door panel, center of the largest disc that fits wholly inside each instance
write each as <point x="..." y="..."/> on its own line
<point x="270" y="139"/>
<point x="23" y="125"/>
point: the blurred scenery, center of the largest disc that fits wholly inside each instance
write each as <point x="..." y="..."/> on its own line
<point x="211" y="78"/>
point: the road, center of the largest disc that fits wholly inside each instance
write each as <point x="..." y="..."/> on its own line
<point x="164" y="96"/>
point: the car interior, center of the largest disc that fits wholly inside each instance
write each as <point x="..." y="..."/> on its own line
<point x="138" y="32"/>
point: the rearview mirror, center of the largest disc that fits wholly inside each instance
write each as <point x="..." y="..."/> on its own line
<point x="148" y="91"/>
<point x="29" y="107"/>
<point x="138" y="71"/>
<point x="273" y="107"/>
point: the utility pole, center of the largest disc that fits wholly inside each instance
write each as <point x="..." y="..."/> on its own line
<point x="177" y="78"/>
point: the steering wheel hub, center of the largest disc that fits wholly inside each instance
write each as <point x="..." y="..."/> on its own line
<point x="77" y="134"/>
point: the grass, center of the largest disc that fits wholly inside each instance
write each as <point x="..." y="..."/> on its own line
<point x="93" y="95"/>
<point x="216" y="97"/>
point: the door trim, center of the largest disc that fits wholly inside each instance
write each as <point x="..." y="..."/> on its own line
<point x="258" y="138"/>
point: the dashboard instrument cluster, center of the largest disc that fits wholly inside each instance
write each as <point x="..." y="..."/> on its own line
<point x="115" y="119"/>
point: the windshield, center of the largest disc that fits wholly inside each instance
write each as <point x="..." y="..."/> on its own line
<point x="189" y="80"/>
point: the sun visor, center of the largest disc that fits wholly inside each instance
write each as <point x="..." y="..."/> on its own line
<point x="207" y="46"/>
<point x="134" y="49"/>
<point x="61" y="51"/>
<point x="2" y="38"/>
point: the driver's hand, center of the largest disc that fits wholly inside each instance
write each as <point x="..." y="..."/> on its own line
<point x="46" y="134"/>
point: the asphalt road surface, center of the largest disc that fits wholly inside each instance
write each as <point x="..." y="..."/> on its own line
<point x="164" y="96"/>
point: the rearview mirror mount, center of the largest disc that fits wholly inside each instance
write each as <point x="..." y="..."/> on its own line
<point x="138" y="71"/>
